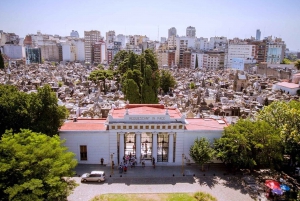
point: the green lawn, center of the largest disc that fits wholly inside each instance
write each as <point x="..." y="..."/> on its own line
<point x="199" y="196"/>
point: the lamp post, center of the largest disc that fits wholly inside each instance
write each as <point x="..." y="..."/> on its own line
<point x="182" y="167"/>
<point x="112" y="163"/>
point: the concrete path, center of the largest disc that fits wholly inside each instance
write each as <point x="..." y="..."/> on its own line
<point x="162" y="179"/>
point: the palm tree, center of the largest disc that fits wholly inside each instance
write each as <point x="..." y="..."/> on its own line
<point x="297" y="64"/>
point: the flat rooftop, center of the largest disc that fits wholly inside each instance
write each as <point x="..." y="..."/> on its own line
<point x="84" y="125"/>
<point x="204" y="124"/>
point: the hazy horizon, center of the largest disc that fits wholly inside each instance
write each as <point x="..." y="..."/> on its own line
<point x="229" y="18"/>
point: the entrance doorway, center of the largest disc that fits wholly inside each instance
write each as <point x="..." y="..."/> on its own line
<point x="162" y="147"/>
<point x="129" y="144"/>
<point x="146" y="146"/>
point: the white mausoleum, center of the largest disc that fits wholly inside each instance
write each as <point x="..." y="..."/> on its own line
<point x="141" y="130"/>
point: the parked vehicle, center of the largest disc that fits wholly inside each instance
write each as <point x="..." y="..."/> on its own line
<point x="98" y="176"/>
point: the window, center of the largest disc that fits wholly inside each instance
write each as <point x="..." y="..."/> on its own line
<point x="119" y="127"/>
<point x="141" y="127"/>
<point x="112" y="127"/>
<point x="152" y="127"/>
<point x="83" y="152"/>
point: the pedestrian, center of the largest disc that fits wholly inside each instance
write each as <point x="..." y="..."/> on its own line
<point x="102" y="161"/>
<point x="153" y="162"/>
<point x="123" y="159"/>
<point x="143" y="163"/>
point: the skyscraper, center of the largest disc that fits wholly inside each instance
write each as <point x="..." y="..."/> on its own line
<point x="190" y="31"/>
<point x="258" y="33"/>
<point x="172" y="32"/>
<point x="90" y="37"/>
<point x="74" y="34"/>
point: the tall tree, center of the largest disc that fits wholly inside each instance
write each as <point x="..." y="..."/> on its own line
<point x="132" y="91"/>
<point x="167" y="81"/>
<point x="1" y="61"/>
<point x="201" y="151"/>
<point x="196" y="64"/>
<point x="150" y="86"/>
<point x="34" y="166"/>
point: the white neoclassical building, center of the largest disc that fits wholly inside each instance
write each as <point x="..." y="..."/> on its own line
<point x="143" y="131"/>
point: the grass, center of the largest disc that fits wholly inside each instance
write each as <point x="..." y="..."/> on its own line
<point x="199" y="196"/>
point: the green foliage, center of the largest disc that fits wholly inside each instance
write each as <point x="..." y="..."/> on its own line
<point x="60" y="84"/>
<point x="1" y="61"/>
<point x="34" y="166"/>
<point x="286" y="61"/>
<point x="297" y="64"/>
<point x="196" y="64"/>
<point x="192" y="85"/>
<point x="100" y="67"/>
<point x="249" y="144"/>
<point x="167" y="81"/>
<point x="201" y="151"/>
<point x="101" y="75"/>
<point x="132" y="91"/>
<point x="143" y="70"/>
<point x="36" y="111"/>
<point x="201" y="196"/>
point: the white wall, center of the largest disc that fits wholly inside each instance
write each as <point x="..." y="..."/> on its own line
<point x="96" y="142"/>
<point x="14" y="51"/>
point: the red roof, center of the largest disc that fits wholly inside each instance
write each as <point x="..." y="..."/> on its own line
<point x="142" y="109"/>
<point x="84" y="125"/>
<point x="204" y="124"/>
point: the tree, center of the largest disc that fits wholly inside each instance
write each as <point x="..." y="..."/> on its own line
<point x="167" y="81"/>
<point x="201" y="151"/>
<point x="1" y="61"/>
<point x="132" y="91"/>
<point x="150" y="86"/>
<point x="34" y="166"/>
<point x="248" y="144"/>
<point x="39" y="111"/>
<point x="286" y="61"/>
<point x="285" y="116"/>
<point x="101" y="75"/>
<point x="100" y="67"/>
<point x="297" y="64"/>
<point x="196" y="64"/>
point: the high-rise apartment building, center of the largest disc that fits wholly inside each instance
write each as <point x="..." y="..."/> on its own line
<point x="172" y="32"/>
<point x="110" y="36"/>
<point x="90" y="38"/>
<point x="258" y="34"/>
<point x="191" y="31"/>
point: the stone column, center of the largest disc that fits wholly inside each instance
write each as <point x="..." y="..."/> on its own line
<point x="138" y="146"/>
<point x="121" y="148"/>
<point x="154" y="145"/>
<point x="171" y="147"/>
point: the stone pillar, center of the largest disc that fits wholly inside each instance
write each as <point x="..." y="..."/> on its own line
<point x="138" y="146"/>
<point x="154" y="145"/>
<point x="121" y="150"/>
<point x="171" y="147"/>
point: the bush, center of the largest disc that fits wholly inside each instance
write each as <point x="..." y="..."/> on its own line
<point x="201" y="196"/>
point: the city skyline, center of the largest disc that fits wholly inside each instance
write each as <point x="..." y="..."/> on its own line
<point x="214" y="18"/>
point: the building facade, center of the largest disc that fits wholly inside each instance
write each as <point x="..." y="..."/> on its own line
<point x="172" y="32"/>
<point x="144" y="131"/>
<point x="90" y="37"/>
<point x="190" y="31"/>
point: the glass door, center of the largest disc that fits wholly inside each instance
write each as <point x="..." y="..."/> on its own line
<point x="146" y="146"/>
<point x="129" y="144"/>
<point x="162" y="147"/>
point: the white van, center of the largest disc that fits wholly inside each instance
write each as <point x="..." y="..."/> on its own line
<point x="98" y="176"/>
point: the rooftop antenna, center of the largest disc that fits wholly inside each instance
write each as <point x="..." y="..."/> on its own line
<point x="158" y="34"/>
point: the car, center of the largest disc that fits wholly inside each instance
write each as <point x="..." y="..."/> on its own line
<point x="98" y="176"/>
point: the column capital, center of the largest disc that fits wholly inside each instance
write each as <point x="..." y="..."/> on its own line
<point x="121" y="133"/>
<point x="154" y="133"/>
<point x="171" y="133"/>
<point x="138" y="133"/>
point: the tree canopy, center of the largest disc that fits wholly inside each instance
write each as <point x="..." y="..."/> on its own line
<point x="38" y="112"/>
<point x="167" y="81"/>
<point x="286" y="61"/>
<point x="249" y="144"/>
<point x="34" y="166"/>
<point x="101" y="75"/>
<point x="142" y="71"/>
<point x="201" y="151"/>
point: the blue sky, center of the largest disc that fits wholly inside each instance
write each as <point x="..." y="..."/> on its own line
<point x="230" y="18"/>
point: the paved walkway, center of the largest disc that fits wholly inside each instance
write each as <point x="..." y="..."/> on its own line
<point x="162" y="179"/>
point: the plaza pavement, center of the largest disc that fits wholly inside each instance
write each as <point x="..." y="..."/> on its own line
<point x="162" y="179"/>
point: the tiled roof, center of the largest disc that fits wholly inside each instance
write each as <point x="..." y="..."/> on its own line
<point x="84" y="125"/>
<point x="204" y="124"/>
<point x="146" y="110"/>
